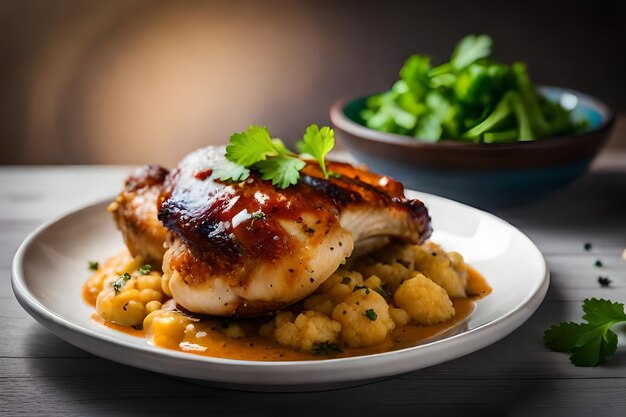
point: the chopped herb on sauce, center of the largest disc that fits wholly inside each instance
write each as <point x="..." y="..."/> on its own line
<point x="145" y="269"/>
<point x="587" y="246"/>
<point x="604" y="282"/>
<point x="371" y="314"/>
<point x="326" y="348"/>
<point x="93" y="265"/>
<point x="599" y="263"/>
<point x="121" y="281"/>
<point x="257" y="215"/>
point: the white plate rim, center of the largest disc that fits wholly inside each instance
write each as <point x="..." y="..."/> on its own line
<point x="482" y="335"/>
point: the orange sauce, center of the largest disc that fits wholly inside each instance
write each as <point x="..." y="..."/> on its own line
<point x="477" y="286"/>
<point x="124" y="329"/>
<point x="208" y="339"/>
<point x="89" y="295"/>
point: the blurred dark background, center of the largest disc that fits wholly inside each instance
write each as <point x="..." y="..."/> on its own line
<point x="92" y="81"/>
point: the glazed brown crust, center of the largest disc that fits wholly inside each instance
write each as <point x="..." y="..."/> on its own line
<point x="135" y="213"/>
<point x="213" y="218"/>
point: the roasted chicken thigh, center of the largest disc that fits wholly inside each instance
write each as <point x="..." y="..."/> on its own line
<point x="248" y="248"/>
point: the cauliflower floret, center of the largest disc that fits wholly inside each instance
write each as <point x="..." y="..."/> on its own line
<point x="364" y="317"/>
<point x="233" y="330"/>
<point x="446" y="270"/>
<point x="128" y="299"/>
<point x="424" y="301"/>
<point x="166" y="327"/>
<point x="320" y="303"/>
<point x="373" y="282"/>
<point x="307" y="330"/>
<point x="391" y="274"/>
<point x="124" y="308"/>
<point x="402" y="254"/>
<point x="399" y="316"/>
<point x="340" y="285"/>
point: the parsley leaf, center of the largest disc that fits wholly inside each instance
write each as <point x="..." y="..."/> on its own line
<point x="317" y="143"/>
<point x="471" y="49"/>
<point x="255" y="150"/>
<point x="227" y="170"/>
<point x="283" y="170"/>
<point x="250" y="146"/>
<point x="592" y="342"/>
<point x="93" y="265"/>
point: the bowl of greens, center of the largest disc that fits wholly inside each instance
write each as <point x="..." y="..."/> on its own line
<point x="474" y="129"/>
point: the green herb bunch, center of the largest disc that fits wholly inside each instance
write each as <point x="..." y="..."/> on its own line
<point x="470" y="98"/>
<point x="255" y="150"/>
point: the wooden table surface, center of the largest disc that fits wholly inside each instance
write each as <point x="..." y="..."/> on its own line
<point x="41" y="374"/>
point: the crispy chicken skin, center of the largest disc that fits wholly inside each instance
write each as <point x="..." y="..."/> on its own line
<point x="242" y="249"/>
<point x="135" y="213"/>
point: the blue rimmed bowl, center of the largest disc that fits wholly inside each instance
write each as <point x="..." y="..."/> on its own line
<point x="483" y="175"/>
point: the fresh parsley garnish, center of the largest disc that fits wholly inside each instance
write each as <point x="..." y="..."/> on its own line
<point x="317" y="143"/>
<point x="93" y="265"/>
<point x="592" y="342"/>
<point x="371" y="314"/>
<point x="251" y="146"/>
<point x="255" y="150"/>
<point x="282" y="170"/>
<point x="599" y="263"/>
<point x="587" y="246"/>
<point x="145" y="269"/>
<point x="230" y="171"/>
<point x="326" y="348"/>
<point x="121" y="281"/>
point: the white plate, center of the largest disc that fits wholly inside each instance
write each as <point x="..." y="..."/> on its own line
<point x="50" y="267"/>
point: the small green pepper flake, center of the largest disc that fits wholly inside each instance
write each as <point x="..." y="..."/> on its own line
<point x="358" y="287"/>
<point x="145" y="269"/>
<point x="346" y="280"/>
<point x="371" y="314"/>
<point x="587" y="246"/>
<point x="93" y="265"/>
<point x="599" y="263"/>
<point x="121" y="281"/>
